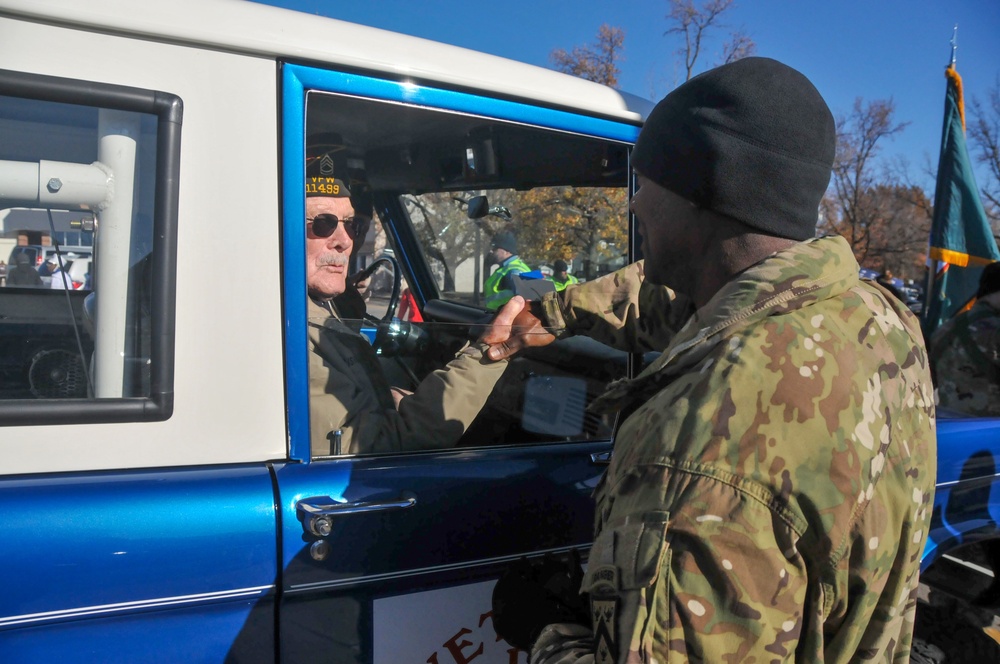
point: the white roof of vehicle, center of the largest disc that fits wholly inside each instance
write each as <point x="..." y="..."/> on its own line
<point x="273" y="32"/>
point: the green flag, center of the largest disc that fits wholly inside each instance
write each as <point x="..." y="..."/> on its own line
<point x="961" y="237"/>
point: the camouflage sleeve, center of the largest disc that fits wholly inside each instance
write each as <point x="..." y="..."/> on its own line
<point x="964" y="354"/>
<point x="619" y="309"/>
<point x="689" y="566"/>
<point x="564" y="644"/>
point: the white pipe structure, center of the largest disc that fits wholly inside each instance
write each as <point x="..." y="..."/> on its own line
<point x="118" y="133"/>
<point x="19" y="180"/>
<point x="65" y="185"/>
<point x="107" y="187"/>
<point x="58" y="184"/>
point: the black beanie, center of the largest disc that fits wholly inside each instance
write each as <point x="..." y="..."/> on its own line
<point x="505" y="240"/>
<point x="752" y="140"/>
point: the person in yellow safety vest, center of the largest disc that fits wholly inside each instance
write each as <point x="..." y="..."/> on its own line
<point x="503" y="252"/>
<point x="560" y="277"/>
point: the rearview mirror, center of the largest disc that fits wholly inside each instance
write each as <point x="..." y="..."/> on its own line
<point x="479" y="207"/>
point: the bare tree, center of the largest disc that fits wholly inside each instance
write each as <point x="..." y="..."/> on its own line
<point x="595" y="62"/>
<point x="585" y="223"/>
<point x="984" y="134"/>
<point x="739" y="46"/>
<point x="445" y="231"/>
<point x="899" y="230"/>
<point x="857" y="197"/>
<point x="694" y="21"/>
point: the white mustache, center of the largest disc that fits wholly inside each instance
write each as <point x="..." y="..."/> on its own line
<point x="332" y="259"/>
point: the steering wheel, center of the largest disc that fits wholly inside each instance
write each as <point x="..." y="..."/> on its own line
<point x="391" y="335"/>
<point x="397" y="278"/>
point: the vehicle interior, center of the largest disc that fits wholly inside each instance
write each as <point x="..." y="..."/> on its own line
<point x="444" y="184"/>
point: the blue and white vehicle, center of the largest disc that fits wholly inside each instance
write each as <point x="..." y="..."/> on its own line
<point x="160" y="499"/>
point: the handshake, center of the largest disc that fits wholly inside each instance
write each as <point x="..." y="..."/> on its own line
<point x="518" y="325"/>
<point x="531" y="595"/>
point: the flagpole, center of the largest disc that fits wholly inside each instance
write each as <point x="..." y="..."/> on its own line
<point x="935" y="265"/>
<point x="954" y="44"/>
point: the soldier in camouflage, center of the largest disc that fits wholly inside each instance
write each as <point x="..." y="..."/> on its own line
<point x="771" y="486"/>
<point x="965" y="353"/>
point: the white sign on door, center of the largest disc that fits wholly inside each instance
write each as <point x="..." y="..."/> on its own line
<point x="446" y="626"/>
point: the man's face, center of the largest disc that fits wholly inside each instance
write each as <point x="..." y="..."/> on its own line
<point x="498" y="255"/>
<point x="672" y="237"/>
<point x="327" y="257"/>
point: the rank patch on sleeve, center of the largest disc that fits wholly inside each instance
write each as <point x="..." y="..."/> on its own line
<point x="604" y="612"/>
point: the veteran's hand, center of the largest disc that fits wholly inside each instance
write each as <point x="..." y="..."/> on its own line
<point x="398" y="394"/>
<point x="515" y="327"/>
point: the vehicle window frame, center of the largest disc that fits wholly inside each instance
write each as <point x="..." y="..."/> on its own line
<point x="299" y="79"/>
<point x="168" y="109"/>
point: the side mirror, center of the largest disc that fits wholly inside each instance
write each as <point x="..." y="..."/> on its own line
<point x="479" y="207"/>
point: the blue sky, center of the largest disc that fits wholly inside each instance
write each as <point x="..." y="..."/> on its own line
<point x="873" y="49"/>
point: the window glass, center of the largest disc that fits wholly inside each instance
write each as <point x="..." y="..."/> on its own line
<point x="390" y="363"/>
<point x="77" y="186"/>
<point x="582" y="231"/>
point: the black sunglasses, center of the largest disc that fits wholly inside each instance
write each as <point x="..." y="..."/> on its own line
<point x="325" y="225"/>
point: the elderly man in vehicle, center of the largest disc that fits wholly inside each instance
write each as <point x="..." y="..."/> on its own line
<point x="352" y="407"/>
<point x="771" y="486"/>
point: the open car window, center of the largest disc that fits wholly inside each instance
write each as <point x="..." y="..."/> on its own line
<point x="446" y="187"/>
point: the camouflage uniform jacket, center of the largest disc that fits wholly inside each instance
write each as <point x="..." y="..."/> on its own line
<point x="965" y="358"/>
<point x="348" y="392"/>
<point x="770" y="495"/>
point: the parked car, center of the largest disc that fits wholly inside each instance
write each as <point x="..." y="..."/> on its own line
<point x="38" y="253"/>
<point x="34" y="252"/>
<point x="75" y="264"/>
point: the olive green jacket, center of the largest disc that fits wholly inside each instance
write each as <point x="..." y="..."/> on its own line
<point x="770" y="494"/>
<point x="348" y="392"/>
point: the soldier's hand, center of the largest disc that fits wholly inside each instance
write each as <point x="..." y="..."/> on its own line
<point x="517" y="326"/>
<point x="531" y="595"/>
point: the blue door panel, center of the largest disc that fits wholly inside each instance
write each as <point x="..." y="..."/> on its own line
<point x="106" y="560"/>
<point x="470" y="505"/>
<point x="473" y="512"/>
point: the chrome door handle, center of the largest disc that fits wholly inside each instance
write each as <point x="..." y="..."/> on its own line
<point x="318" y="512"/>
<point x="600" y="458"/>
